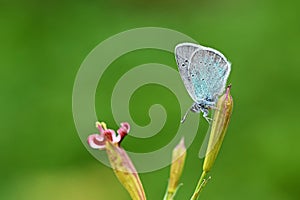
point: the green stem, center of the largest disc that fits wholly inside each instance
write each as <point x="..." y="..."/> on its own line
<point x="170" y="194"/>
<point x="200" y="186"/>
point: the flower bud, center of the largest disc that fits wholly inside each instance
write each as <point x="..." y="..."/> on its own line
<point x="178" y="159"/>
<point x="218" y="129"/>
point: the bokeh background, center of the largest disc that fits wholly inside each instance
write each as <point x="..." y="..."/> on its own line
<point x="43" y="43"/>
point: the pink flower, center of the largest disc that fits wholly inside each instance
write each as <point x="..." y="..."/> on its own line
<point x="121" y="163"/>
<point x="98" y="141"/>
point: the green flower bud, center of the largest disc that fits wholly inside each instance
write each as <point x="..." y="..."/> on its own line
<point x="218" y="129"/>
<point x="178" y="159"/>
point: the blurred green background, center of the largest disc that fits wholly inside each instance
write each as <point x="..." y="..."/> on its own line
<point x="42" y="44"/>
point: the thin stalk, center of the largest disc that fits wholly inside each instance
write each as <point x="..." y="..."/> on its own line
<point x="170" y="194"/>
<point x="201" y="184"/>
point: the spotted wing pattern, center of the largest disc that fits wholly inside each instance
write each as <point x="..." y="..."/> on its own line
<point x="208" y="72"/>
<point x="183" y="53"/>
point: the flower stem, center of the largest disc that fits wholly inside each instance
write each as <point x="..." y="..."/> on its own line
<point x="170" y="194"/>
<point x="201" y="184"/>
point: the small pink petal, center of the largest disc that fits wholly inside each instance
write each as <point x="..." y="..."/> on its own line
<point x="126" y="126"/>
<point x="96" y="141"/>
<point x="123" y="130"/>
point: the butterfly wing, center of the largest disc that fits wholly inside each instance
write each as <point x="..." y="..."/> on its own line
<point x="209" y="70"/>
<point x="183" y="53"/>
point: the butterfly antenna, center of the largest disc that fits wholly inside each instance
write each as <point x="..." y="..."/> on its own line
<point x="184" y="116"/>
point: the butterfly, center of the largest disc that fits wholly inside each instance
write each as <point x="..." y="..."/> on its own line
<point x="204" y="72"/>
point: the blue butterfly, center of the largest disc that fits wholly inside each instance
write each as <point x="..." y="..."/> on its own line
<point x="204" y="72"/>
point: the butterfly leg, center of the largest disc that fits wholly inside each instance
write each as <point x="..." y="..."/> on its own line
<point x="205" y="115"/>
<point x="194" y="108"/>
<point x="184" y="116"/>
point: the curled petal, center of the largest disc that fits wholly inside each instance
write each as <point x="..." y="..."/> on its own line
<point x="96" y="141"/>
<point x="123" y="130"/>
<point x="125" y="126"/>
